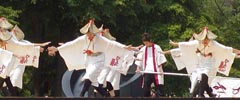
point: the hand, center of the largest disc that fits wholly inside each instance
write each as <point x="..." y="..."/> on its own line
<point x="237" y="56"/>
<point x="173" y="43"/>
<point x="140" y="46"/>
<point x="137" y="70"/>
<point x="41" y="49"/>
<point x="129" y="47"/>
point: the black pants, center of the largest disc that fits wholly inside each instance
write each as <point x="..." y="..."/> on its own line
<point x="87" y="85"/>
<point x="148" y="80"/>
<point x="12" y="90"/>
<point x="203" y="86"/>
<point x="110" y="88"/>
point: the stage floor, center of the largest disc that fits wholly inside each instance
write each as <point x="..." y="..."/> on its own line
<point x="121" y="98"/>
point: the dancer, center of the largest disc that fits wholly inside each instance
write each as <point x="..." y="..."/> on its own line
<point x="93" y="52"/>
<point x="25" y="54"/>
<point x="150" y="59"/>
<point x="16" y="75"/>
<point x="207" y="55"/>
<point x="110" y="78"/>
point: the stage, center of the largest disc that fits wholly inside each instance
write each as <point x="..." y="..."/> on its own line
<point x="121" y="98"/>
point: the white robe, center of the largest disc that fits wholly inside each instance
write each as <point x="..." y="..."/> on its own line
<point x="197" y="64"/>
<point x="73" y="54"/>
<point x="204" y="64"/>
<point x="28" y="53"/>
<point x="159" y="58"/>
<point x="6" y="62"/>
<point x="110" y="75"/>
<point x="114" y="77"/>
<point x="16" y="75"/>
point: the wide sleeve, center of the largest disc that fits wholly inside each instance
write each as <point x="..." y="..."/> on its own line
<point x="139" y="58"/>
<point x="177" y="58"/>
<point x="6" y="62"/>
<point x="189" y="57"/>
<point x="116" y="56"/>
<point x="27" y="52"/>
<point x="36" y="53"/>
<point x="224" y="57"/>
<point x="160" y="57"/>
<point x="72" y="53"/>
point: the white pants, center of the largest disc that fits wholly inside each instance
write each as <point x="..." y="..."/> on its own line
<point x="94" y="66"/>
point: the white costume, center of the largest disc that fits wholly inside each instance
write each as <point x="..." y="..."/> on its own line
<point x="16" y="75"/>
<point x="110" y="75"/>
<point x="6" y="63"/>
<point x="209" y="60"/>
<point x="147" y="53"/>
<point x="104" y="55"/>
<point x="114" y="77"/>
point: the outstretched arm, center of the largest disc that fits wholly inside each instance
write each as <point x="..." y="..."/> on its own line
<point x="130" y="47"/>
<point x="237" y="56"/>
<point x="42" y="44"/>
<point x="173" y="43"/>
<point x="236" y="51"/>
<point x="166" y="52"/>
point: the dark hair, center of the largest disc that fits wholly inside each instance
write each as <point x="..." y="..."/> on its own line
<point x="146" y="37"/>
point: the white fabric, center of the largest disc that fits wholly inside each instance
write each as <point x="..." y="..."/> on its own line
<point x="226" y="87"/>
<point x="103" y="75"/>
<point x="111" y="76"/>
<point x="95" y="64"/>
<point x="224" y="57"/>
<point x="119" y="59"/>
<point x="16" y="75"/>
<point x="160" y="59"/>
<point x="208" y="65"/>
<point x="5" y="63"/>
<point x="149" y="63"/>
<point x="28" y="53"/>
<point x="219" y="54"/>
<point x="72" y="53"/>
<point x="114" y="77"/>
<point x="177" y="57"/>
<point x="189" y="56"/>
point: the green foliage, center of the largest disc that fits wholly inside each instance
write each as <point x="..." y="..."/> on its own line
<point x="9" y="13"/>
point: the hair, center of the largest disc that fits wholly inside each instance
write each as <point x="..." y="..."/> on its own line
<point x="146" y="37"/>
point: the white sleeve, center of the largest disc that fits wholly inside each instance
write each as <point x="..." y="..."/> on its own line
<point x="160" y="57"/>
<point x="139" y="58"/>
<point x="72" y="53"/>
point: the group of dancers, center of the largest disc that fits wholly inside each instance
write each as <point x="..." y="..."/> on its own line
<point x="16" y="53"/>
<point x="105" y="59"/>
